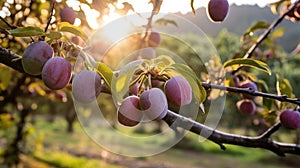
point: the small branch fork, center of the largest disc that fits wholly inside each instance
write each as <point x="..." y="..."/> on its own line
<point x="263" y="141"/>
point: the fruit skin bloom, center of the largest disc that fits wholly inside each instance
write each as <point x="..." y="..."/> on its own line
<point x="290" y="119"/>
<point x="129" y="113"/>
<point x="35" y="56"/>
<point x="178" y="91"/>
<point x="217" y="10"/>
<point x="86" y="86"/>
<point x="56" y="73"/>
<point x="67" y="15"/>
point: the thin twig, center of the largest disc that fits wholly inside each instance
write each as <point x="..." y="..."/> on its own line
<point x="42" y="38"/>
<point x="282" y="98"/>
<point x="9" y="25"/>
<point x="269" y="30"/>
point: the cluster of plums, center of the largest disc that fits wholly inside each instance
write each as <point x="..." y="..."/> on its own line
<point x="38" y="59"/>
<point x="247" y="105"/>
<point x="289" y="118"/>
<point x="153" y="103"/>
<point x="217" y="10"/>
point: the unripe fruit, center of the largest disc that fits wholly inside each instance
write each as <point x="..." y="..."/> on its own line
<point x="250" y="85"/>
<point x="86" y="86"/>
<point x="154" y="39"/>
<point x="129" y="113"/>
<point x="246" y="106"/>
<point x="154" y="103"/>
<point x="290" y="119"/>
<point x="56" y="73"/>
<point x="67" y="15"/>
<point x="217" y="10"/>
<point x="178" y="91"/>
<point x="35" y="56"/>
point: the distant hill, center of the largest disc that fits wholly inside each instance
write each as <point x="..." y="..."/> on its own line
<point x="237" y="22"/>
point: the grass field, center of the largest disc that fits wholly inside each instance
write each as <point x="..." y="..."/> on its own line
<point x="77" y="150"/>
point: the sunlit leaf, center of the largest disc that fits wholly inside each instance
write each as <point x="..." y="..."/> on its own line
<point x="67" y="27"/>
<point x="192" y="6"/>
<point x="248" y="62"/>
<point x="106" y="73"/>
<point x="283" y="86"/>
<point x="257" y="26"/>
<point x="165" y="22"/>
<point x="279" y="32"/>
<point x="191" y="77"/>
<point x="275" y="6"/>
<point x="156" y="5"/>
<point x="163" y="61"/>
<point x="121" y="80"/>
<point x="27" y="31"/>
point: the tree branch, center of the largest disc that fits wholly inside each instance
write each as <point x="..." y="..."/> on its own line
<point x="269" y="30"/>
<point x="282" y="98"/>
<point x="221" y="138"/>
<point x="264" y="141"/>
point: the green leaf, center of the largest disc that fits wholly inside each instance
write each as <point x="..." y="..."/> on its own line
<point x="279" y="32"/>
<point x="248" y="62"/>
<point x="267" y="102"/>
<point x="121" y="80"/>
<point x="54" y="35"/>
<point x="106" y="73"/>
<point x="165" y="22"/>
<point x="283" y="86"/>
<point x="163" y="61"/>
<point x="191" y="77"/>
<point x="257" y="26"/>
<point x="27" y="31"/>
<point x="67" y="27"/>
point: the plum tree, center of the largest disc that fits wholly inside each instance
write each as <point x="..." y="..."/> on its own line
<point x="250" y="85"/>
<point x="217" y="10"/>
<point x="67" y="15"/>
<point x="290" y="119"/>
<point x="129" y="113"/>
<point x="154" y="103"/>
<point x="15" y="31"/>
<point x="154" y="39"/>
<point x="35" y="56"/>
<point x="178" y="91"/>
<point x="56" y="73"/>
<point x="246" y="106"/>
<point x="86" y="86"/>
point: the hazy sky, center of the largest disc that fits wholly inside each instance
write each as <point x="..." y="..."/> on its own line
<point x="184" y="5"/>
